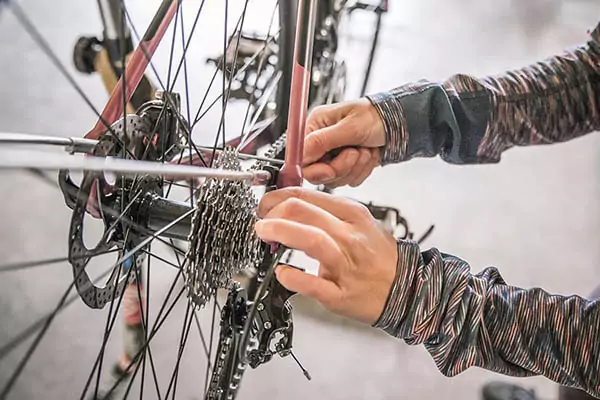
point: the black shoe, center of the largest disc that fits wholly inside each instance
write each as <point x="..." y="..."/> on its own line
<point x="506" y="391"/>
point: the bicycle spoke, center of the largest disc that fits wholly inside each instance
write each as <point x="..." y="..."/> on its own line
<point x="110" y="321"/>
<point x="41" y="42"/>
<point x="246" y="131"/>
<point x="45" y="47"/>
<point x="144" y="321"/>
<point x="213" y="78"/>
<point x="241" y="70"/>
<point x="146" y="327"/>
<point x="187" y="99"/>
<point x="123" y="50"/>
<point x="187" y="323"/>
<point x="41" y="263"/>
<point x="32" y="329"/>
<point x="181" y="353"/>
<point x="224" y="80"/>
<point x="109" y="325"/>
<point x="184" y="46"/>
<point x="176" y="19"/>
<point x="44" y="323"/>
<point x="162" y="259"/>
<point x="202" y="337"/>
<point x="144" y="49"/>
<point x="107" y="331"/>
<point x="182" y="60"/>
<point x="157" y="326"/>
<point x="145" y="347"/>
<point x="210" y="343"/>
<point x="206" y="352"/>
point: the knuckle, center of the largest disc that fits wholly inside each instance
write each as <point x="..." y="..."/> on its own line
<point x="362" y="210"/>
<point x="292" y="207"/>
<point x="318" y="139"/>
<point x="318" y="242"/>
<point x="323" y="108"/>
<point x="294" y="192"/>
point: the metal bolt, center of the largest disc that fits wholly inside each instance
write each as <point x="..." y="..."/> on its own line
<point x="260" y="307"/>
<point x="267" y="325"/>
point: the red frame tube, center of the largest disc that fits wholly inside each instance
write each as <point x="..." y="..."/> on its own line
<point x="135" y="68"/>
<point x="291" y="172"/>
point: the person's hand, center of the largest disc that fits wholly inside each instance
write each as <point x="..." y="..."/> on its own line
<point x="355" y="128"/>
<point x="357" y="257"/>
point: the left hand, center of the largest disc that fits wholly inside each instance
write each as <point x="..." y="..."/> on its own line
<point x="358" y="259"/>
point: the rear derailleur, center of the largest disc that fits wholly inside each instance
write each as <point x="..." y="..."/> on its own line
<point x="255" y="342"/>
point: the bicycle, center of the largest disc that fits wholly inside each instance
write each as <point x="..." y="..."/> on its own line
<point x="168" y="190"/>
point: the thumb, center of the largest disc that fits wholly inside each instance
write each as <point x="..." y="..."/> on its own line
<point x="306" y="284"/>
<point x="321" y="141"/>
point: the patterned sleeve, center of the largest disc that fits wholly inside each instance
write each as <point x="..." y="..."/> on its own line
<point x="477" y="320"/>
<point x="467" y="120"/>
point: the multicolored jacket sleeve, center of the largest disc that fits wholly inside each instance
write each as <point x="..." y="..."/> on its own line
<point x="465" y="319"/>
<point x="466" y="120"/>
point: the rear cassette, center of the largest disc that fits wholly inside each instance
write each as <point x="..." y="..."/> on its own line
<point x="222" y="238"/>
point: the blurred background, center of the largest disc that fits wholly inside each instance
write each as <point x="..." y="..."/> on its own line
<point x="535" y="215"/>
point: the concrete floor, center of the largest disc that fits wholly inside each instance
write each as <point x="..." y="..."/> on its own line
<point x="514" y="215"/>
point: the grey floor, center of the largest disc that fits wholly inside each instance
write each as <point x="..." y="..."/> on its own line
<point x="535" y="215"/>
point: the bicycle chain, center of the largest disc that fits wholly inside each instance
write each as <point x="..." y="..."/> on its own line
<point x="223" y="385"/>
<point x="228" y="370"/>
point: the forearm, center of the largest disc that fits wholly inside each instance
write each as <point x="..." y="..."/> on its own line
<point x="467" y="320"/>
<point x="470" y="120"/>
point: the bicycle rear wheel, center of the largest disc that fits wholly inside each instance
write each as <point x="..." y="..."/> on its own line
<point x="147" y="221"/>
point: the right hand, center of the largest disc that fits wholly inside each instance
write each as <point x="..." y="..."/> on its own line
<point x="355" y="128"/>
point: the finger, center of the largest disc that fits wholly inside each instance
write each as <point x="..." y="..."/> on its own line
<point x="294" y="209"/>
<point x="340" y="207"/>
<point x="344" y="163"/>
<point x="319" y="173"/>
<point x="368" y="169"/>
<point x="311" y="240"/>
<point x="305" y="284"/>
<point x="321" y="141"/>
<point x="357" y="169"/>
<point x="337" y="169"/>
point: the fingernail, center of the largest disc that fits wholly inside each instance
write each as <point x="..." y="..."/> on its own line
<point x="323" y="177"/>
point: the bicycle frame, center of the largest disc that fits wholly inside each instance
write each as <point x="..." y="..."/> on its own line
<point x="291" y="172"/>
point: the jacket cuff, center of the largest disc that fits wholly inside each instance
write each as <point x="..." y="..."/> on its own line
<point x="402" y="291"/>
<point x="391" y="112"/>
